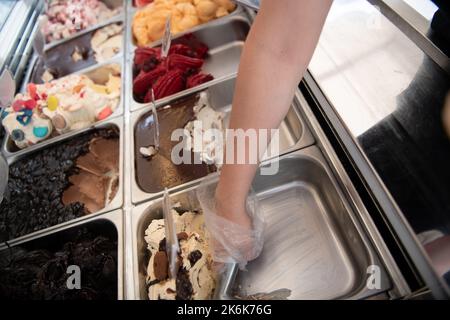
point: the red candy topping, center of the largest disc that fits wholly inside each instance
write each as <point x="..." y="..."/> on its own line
<point x="105" y="113"/>
<point x="32" y="91"/>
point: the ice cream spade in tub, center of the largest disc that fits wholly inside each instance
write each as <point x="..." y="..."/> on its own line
<point x="167" y="38"/>
<point x="39" y="46"/>
<point x="150" y="151"/>
<point x="7" y="90"/>
<point x="4" y="172"/>
<point x="172" y="245"/>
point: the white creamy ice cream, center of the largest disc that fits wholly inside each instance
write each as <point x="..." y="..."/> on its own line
<point x="65" y="104"/>
<point x="207" y="124"/>
<point x="107" y="42"/>
<point x="195" y="259"/>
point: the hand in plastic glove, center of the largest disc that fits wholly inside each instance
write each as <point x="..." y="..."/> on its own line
<point x="236" y="231"/>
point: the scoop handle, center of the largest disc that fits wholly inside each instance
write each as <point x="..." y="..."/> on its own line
<point x="172" y="245"/>
<point x="167" y="38"/>
<point x="156" y="136"/>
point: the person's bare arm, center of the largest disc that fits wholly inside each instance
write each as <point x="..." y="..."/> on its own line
<point x="275" y="56"/>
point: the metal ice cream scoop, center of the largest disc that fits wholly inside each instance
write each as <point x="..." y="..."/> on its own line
<point x="39" y="45"/>
<point x="7" y="90"/>
<point x="172" y="245"/>
<point x="39" y="40"/>
<point x="4" y="171"/>
<point x="156" y="121"/>
<point x="167" y="38"/>
<point x="253" y="4"/>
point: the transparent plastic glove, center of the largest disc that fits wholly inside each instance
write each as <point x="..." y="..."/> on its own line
<point x="231" y="242"/>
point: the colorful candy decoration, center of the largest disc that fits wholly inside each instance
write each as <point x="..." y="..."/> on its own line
<point x="25" y="117"/>
<point x="4" y="114"/>
<point x="40" y="132"/>
<point x="30" y="104"/>
<point x="52" y="103"/>
<point x="18" y="105"/>
<point x="105" y="113"/>
<point x="17" y="135"/>
<point x="32" y="91"/>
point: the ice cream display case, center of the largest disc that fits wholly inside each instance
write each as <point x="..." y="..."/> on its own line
<point x="83" y="170"/>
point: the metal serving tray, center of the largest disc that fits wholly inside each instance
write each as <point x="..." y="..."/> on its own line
<point x="105" y="224"/>
<point x="116" y="203"/>
<point x="225" y="39"/>
<point x="131" y="11"/>
<point x="141" y="217"/>
<point x="98" y="73"/>
<point x="314" y="246"/>
<point x="111" y="4"/>
<point x="294" y="134"/>
<point x="68" y="47"/>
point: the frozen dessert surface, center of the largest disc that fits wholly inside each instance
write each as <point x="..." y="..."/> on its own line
<point x="70" y="103"/>
<point x="65" y="18"/>
<point x="39" y="272"/>
<point x="96" y="181"/>
<point x="107" y="42"/>
<point x="158" y="171"/>
<point x="79" y="53"/>
<point x="195" y="278"/>
<point x="206" y="118"/>
<point x="39" y="184"/>
<point x="149" y="22"/>
<point x="166" y="76"/>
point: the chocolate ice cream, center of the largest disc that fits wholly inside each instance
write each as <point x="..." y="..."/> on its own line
<point x="38" y="270"/>
<point x="157" y="171"/>
<point x="60" y="183"/>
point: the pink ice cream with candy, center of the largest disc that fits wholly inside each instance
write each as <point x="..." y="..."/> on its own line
<point x="65" y="18"/>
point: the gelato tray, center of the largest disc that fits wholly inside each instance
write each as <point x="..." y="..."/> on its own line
<point x="152" y="173"/>
<point x="64" y="182"/>
<point x="196" y="279"/>
<point x="148" y="23"/>
<point x="81" y="52"/>
<point x="206" y="55"/>
<point x="45" y="113"/>
<point x="314" y="247"/>
<point x="67" y="19"/>
<point x="39" y="269"/>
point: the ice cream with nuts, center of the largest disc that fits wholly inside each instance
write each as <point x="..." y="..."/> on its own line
<point x="195" y="279"/>
<point x="70" y="103"/>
